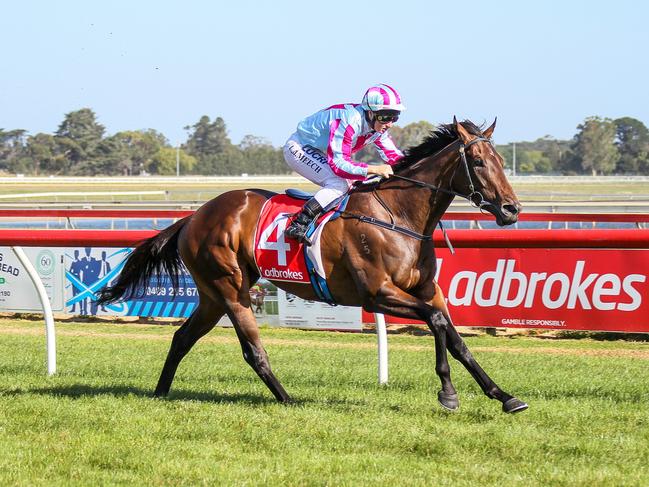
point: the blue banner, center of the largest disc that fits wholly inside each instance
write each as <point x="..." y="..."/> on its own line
<point x="89" y="269"/>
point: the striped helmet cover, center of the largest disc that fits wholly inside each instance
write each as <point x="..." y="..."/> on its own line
<point x="382" y="97"/>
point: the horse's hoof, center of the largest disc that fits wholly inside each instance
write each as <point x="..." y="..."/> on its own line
<point x="449" y="402"/>
<point x="288" y="400"/>
<point x="514" y="405"/>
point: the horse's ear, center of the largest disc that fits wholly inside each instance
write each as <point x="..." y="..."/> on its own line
<point x="461" y="131"/>
<point x="487" y="133"/>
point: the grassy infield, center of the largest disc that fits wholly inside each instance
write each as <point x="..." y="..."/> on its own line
<point x="188" y="190"/>
<point x="94" y="422"/>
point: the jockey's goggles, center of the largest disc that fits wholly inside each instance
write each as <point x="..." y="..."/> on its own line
<point x="386" y="116"/>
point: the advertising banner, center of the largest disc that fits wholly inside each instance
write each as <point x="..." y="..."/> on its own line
<point x="298" y="313"/>
<point x="17" y="292"/>
<point x="576" y="289"/>
<point x="89" y="269"/>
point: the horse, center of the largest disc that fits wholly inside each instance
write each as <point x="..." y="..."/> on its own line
<point x="378" y="255"/>
<point x="257" y="300"/>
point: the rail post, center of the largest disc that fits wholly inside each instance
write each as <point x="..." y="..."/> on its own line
<point x="50" y="337"/>
<point x="382" y="338"/>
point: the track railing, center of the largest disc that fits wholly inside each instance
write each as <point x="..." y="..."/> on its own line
<point x="517" y="238"/>
<point x="558" y="239"/>
<point x="452" y="215"/>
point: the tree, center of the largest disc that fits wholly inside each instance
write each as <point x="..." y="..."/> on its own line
<point x="207" y="138"/>
<point x="260" y="157"/>
<point x="12" y="146"/>
<point x="594" y="146"/>
<point x="209" y="143"/>
<point x="569" y="163"/>
<point x="110" y="158"/>
<point x="412" y="134"/>
<point x="632" y="141"/>
<point x="553" y="149"/>
<point x="164" y="162"/>
<point x="544" y="155"/>
<point x="45" y="154"/>
<point x="137" y="149"/>
<point x="228" y="162"/>
<point x="533" y="161"/>
<point x="79" y="136"/>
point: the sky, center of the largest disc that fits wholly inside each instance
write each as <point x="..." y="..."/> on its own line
<point x="540" y="67"/>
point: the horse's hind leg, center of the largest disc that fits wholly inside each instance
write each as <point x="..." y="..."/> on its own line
<point x="245" y="325"/>
<point x="202" y="320"/>
<point x="460" y="352"/>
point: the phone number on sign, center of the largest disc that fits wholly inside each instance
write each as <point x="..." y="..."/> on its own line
<point x="170" y="291"/>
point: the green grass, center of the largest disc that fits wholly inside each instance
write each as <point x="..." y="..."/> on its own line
<point x="177" y="190"/>
<point x="95" y="422"/>
<point x="539" y="190"/>
<point x="191" y="190"/>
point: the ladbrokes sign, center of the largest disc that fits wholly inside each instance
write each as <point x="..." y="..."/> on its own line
<point x="571" y="288"/>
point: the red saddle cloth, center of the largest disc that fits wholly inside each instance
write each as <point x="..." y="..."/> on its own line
<point x="279" y="258"/>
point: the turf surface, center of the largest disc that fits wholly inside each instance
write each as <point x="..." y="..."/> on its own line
<point x="94" y="422"/>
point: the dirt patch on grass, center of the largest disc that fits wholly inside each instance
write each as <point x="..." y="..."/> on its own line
<point x="609" y="352"/>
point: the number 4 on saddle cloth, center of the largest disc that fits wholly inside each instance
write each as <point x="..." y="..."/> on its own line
<point x="284" y="259"/>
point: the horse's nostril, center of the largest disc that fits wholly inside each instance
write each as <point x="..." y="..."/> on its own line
<point x="511" y="209"/>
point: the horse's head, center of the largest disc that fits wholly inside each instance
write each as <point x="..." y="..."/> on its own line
<point x="480" y="176"/>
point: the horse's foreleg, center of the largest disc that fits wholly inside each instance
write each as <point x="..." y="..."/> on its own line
<point x="460" y="352"/>
<point x="447" y="396"/>
<point x="202" y="320"/>
<point x="394" y="301"/>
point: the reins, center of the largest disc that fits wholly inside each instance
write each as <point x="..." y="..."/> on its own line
<point x="411" y="233"/>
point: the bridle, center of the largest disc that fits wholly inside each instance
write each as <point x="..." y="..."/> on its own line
<point x="480" y="204"/>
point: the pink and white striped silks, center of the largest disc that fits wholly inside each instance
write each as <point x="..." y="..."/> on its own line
<point x="321" y="149"/>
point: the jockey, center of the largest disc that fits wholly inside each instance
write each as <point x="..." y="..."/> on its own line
<point x="321" y="150"/>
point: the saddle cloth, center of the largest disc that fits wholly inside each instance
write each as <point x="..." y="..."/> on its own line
<point x="279" y="258"/>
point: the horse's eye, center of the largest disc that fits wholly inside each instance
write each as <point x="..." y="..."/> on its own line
<point x="478" y="163"/>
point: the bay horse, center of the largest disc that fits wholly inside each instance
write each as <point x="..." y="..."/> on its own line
<point x="378" y="255"/>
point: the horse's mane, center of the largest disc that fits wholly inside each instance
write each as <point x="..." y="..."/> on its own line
<point x="439" y="138"/>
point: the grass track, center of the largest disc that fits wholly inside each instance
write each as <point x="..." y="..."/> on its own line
<point x="95" y="423"/>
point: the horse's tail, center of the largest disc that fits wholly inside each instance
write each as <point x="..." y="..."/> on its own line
<point x="152" y="256"/>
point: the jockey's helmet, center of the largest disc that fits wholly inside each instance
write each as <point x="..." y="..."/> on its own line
<point x="382" y="97"/>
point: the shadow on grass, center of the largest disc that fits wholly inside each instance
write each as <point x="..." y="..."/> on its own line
<point x="78" y="391"/>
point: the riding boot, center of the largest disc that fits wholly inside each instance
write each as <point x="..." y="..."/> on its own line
<point x="300" y="224"/>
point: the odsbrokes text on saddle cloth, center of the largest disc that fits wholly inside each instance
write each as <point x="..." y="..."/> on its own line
<point x="279" y="258"/>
